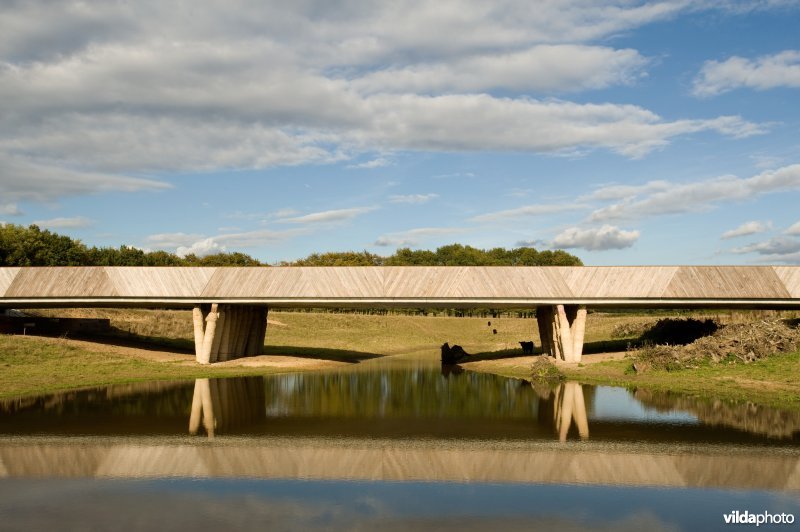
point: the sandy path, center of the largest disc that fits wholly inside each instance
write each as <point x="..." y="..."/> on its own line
<point x="523" y="363"/>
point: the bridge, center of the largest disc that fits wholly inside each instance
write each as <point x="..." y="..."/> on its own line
<point x="230" y="304"/>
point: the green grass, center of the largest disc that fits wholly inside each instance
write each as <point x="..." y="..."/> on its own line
<point x="774" y="381"/>
<point x="32" y="365"/>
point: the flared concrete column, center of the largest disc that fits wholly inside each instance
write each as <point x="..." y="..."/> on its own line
<point x="226" y="332"/>
<point x="561" y="331"/>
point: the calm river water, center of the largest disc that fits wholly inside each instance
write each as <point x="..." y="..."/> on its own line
<point x="391" y="444"/>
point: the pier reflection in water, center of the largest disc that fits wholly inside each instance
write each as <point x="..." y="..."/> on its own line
<point x="226" y="404"/>
<point x="570" y="406"/>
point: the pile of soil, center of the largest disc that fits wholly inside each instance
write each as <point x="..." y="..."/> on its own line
<point x="735" y="343"/>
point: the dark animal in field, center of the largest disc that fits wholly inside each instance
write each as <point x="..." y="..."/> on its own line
<point x="527" y="348"/>
<point x="451" y="355"/>
<point x="494" y="331"/>
<point x="488" y="323"/>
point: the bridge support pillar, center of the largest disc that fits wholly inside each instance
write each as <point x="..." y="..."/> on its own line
<point x="561" y="331"/>
<point x="225" y="332"/>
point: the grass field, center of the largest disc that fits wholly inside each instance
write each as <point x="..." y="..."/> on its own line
<point x="34" y="365"/>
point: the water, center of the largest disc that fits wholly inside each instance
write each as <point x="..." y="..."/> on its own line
<point x="397" y="444"/>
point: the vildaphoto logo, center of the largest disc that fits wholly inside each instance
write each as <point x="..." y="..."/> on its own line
<point x="764" y="518"/>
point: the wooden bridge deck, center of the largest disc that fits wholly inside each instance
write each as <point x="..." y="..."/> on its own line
<point x="406" y="286"/>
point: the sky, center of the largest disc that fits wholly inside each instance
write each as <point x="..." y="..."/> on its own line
<point x="625" y="132"/>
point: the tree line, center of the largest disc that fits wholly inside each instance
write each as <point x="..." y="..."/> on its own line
<point x="33" y="246"/>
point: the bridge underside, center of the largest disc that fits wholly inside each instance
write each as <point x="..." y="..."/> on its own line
<point x="230" y="304"/>
<point x="225" y="332"/>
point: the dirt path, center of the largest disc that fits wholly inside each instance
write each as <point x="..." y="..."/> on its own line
<point x="522" y="365"/>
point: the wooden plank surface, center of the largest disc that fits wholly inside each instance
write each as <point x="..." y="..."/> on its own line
<point x="779" y="283"/>
<point x="88" y="281"/>
<point x="159" y="281"/>
<point x="6" y="277"/>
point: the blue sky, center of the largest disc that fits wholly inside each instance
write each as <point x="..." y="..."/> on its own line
<point x="626" y="132"/>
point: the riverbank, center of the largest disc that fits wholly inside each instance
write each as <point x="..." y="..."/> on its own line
<point x="32" y="365"/>
<point x="770" y="382"/>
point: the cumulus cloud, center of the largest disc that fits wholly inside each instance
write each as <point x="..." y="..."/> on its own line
<point x="336" y="215"/>
<point x="412" y="237"/>
<point x="655" y="199"/>
<point x="101" y="95"/>
<point x="201" y="248"/>
<point x="793" y="229"/>
<point x="412" y="198"/>
<point x="528" y="210"/>
<point x="748" y="228"/>
<point x="766" y="72"/>
<point x="779" y="245"/>
<point x="595" y="239"/>
<point x="75" y="222"/>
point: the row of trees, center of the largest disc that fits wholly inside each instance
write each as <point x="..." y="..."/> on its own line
<point x="32" y="246"/>
<point x="451" y="255"/>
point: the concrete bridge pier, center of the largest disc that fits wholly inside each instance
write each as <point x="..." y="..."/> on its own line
<point x="225" y="332"/>
<point x="561" y="330"/>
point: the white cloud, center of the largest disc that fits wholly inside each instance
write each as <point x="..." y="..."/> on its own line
<point x="413" y="237"/>
<point x="560" y="67"/>
<point x="336" y="215"/>
<point x="412" y="198"/>
<point x="10" y="209"/>
<point x="379" y="162"/>
<point x="75" y="222"/>
<point x="779" y="245"/>
<point x="536" y="243"/>
<point x="24" y="180"/>
<point x="766" y="72"/>
<point x="595" y="239"/>
<point x="748" y="228"/>
<point x="100" y="94"/>
<point x="201" y="245"/>
<point x="172" y="240"/>
<point x="618" y="192"/>
<point x="794" y="229"/>
<point x="651" y="200"/>
<point x="201" y="248"/>
<point x="528" y="210"/>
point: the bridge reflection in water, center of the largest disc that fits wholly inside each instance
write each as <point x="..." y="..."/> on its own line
<point x="399" y="424"/>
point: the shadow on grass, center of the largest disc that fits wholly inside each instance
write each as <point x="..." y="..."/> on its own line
<point x="128" y="339"/>
<point x="322" y="353"/>
<point x="182" y="345"/>
<point x="589" y="348"/>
